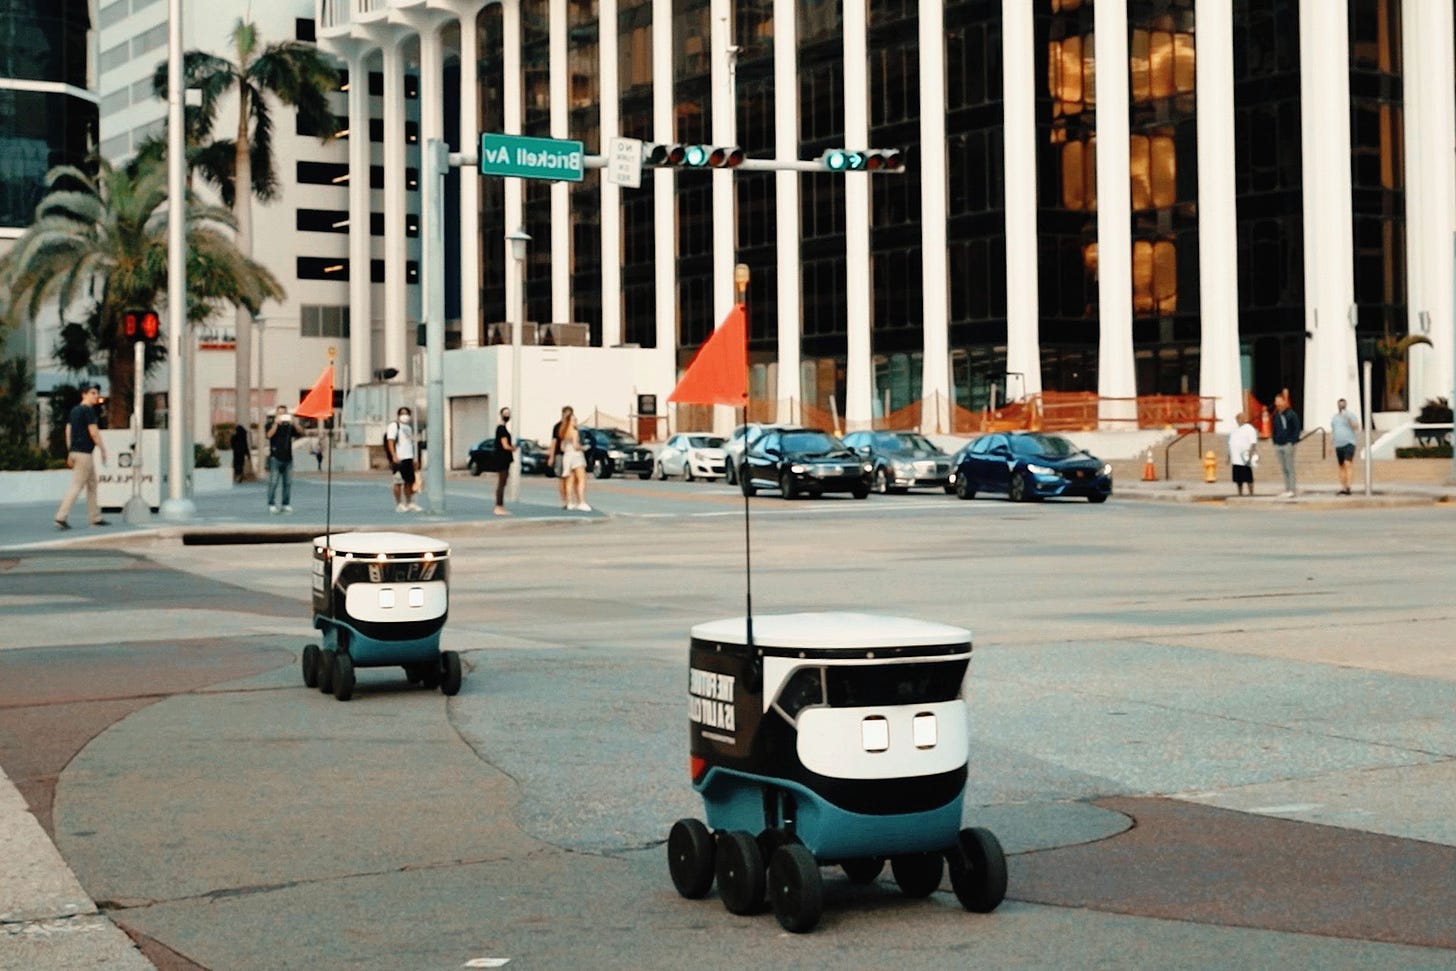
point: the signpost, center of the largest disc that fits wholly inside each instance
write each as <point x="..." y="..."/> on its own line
<point x="558" y="159"/>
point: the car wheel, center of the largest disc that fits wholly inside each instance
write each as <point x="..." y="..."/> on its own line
<point x="1018" y="487"/>
<point x="963" y="487"/>
<point x="1097" y="497"/>
<point x="730" y="474"/>
<point x="787" y="487"/>
<point x="644" y="476"/>
<point x="687" y="472"/>
<point x="746" y="485"/>
<point x="860" y="492"/>
<point x="660" y="472"/>
<point x="473" y="467"/>
<point x="882" y="482"/>
<point x="601" y="469"/>
<point x="949" y="490"/>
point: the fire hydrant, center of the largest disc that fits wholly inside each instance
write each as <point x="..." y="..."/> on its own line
<point x="1210" y="466"/>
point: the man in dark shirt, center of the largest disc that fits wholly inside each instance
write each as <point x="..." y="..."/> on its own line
<point x="505" y="455"/>
<point x="281" y="432"/>
<point x="240" y="450"/>
<point x="83" y="438"/>
<point x="1287" y="430"/>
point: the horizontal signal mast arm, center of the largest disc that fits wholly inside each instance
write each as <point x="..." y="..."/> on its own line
<point x="461" y="160"/>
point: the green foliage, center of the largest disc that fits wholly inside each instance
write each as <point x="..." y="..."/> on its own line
<point x="17" y="418"/>
<point x="64" y="397"/>
<point x="1436" y="411"/>
<point x="204" y="456"/>
<point x="19" y="457"/>
<point x="222" y="436"/>
<point x="1424" y="452"/>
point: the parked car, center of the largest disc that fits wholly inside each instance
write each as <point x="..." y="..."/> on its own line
<point x="528" y="452"/>
<point x="691" y="456"/>
<point x="902" y="460"/>
<point x="1031" y="465"/>
<point x="610" y="451"/>
<point x="733" y="449"/>
<point x="803" y="461"/>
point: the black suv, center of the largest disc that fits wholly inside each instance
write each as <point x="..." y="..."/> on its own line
<point x="803" y="461"/>
<point x="610" y="451"/>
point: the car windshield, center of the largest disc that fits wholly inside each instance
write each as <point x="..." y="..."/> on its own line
<point x="810" y="443"/>
<point x="705" y="441"/>
<point x="905" y="442"/>
<point x="1043" y="446"/>
<point x="620" y="438"/>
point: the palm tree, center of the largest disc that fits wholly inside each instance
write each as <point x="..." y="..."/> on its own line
<point x="296" y="75"/>
<point x="102" y="241"/>
<point x="1392" y="351"/>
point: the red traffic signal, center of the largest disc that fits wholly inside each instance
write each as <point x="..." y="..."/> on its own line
<point x="140" y="325"/>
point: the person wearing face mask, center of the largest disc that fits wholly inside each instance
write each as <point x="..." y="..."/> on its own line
<point x="505" y="454"/>
<point x="399" y="445"/>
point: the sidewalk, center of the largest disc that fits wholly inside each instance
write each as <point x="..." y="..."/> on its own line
<point x="1319" y="495"/>
<point x="359" y="501"/>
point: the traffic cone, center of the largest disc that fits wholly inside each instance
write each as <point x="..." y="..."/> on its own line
<point x="1266" y="425"/>
<point x="1150" y="473"/>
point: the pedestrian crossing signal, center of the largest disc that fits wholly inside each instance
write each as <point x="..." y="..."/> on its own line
<point x="693" y="156"/>
<point x="141" y="325"/>
<point x="848" y="160"/>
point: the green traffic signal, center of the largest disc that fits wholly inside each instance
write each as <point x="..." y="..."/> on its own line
<point x="695" y="155"/>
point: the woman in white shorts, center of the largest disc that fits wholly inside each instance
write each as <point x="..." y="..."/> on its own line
<point x="573" y="463"/>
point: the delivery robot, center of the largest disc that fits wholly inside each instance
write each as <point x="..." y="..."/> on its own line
<point x="380" y="599"/>
<point x="829" y="739"/>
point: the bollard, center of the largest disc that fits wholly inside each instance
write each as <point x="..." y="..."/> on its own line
<point x="1210" y="466"/>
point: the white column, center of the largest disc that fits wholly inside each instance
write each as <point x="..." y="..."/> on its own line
<point x="432" y="128"/>
<point x="611" y="207"/>
<point x="664" y="206"/>
<point x="560" y="191"/>
<point x="858" y="390"/>
<point x="1023" y="321"/>
<point x="1219" y="372"/>
<point x="1430" y="153"/>
<point x="396" y="347"/>
<point x="935" y="413"/>
<point x="724" y="132"/>
<point x="786" y="191"/>
<point x="1329" y="289"/>
<point x="361" y="314"/>
<point x="1115" y="375"/>
<point x="470" y="322"/>
<point x="512" y="105"/>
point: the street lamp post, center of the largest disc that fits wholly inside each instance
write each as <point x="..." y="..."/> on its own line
<point x="518" y="241"/>
<point x="176" y="506"/>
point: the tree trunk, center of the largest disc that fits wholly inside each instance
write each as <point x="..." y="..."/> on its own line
<point x="243" y="329"/>
<point x="120" y="374"/>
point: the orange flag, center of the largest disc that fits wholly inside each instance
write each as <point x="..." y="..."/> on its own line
<point x="718" y="373"/>
<point x="319" y="402"/>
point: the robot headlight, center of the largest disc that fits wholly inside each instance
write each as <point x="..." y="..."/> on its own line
<point x="924" y="730"/>
<point x="874" y="733"/>
<point x="386" y="598"/>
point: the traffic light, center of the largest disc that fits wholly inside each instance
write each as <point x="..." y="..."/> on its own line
<point x="692" y="156"/>
<point x="140" y="325"/>
<point x="877" y="160"/>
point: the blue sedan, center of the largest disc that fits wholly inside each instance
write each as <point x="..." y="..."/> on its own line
<point x="1030" y="465"/>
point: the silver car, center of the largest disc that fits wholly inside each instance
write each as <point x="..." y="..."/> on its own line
<point x="691" y="455"/>
<point x="742" y="437"/>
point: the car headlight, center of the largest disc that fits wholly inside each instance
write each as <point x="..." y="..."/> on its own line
<point x="1107" y="468"/>
<point x="1040" y="470"/>
<point x="904" y="468"/>
<point x="616" y="453"/>
<point x="868" y="467"/>
<point x="798" y="469"/>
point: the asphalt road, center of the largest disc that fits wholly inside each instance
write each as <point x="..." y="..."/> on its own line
<point x="1209" y="737"/>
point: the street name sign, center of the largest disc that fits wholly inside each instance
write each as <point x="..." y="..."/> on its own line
<point x="624" y="162"/>
<point x="531" y="158"/>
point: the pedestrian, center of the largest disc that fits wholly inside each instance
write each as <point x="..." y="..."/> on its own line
<point x="317" y="450"/>
<point x="567" y="444"/>
<point x="83" y="439"/>
<point x="505" y="449"/>
<point x="1243" y="457"/>
<point x="553" y="458"/>
<point x="1343" y="428"/>
<point x="399" y="445"/>
<point x="1287" y="430"/>
<point x="281" y="432"/>
<point x="240" y="450"/>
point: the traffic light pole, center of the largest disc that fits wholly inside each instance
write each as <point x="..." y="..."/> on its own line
<point x="136" y="511"/>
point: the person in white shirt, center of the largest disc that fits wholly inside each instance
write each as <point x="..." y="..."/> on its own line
<point x="399" y="443"/>
<point x="1242" y="445"/>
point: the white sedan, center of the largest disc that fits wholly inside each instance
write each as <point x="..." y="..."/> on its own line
<point x="690" y="456"/>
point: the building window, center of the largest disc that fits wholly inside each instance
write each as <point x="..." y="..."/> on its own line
<point x="322" y="221"/>
<point x="322" y="268"/>
<point x="321" y="321"/>
<point x="303" y="29"/>
<point x="149" y="40"/>
<point x="114" y="57"/>
<point x="323" y="173"/>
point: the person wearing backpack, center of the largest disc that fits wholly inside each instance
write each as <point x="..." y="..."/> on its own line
<point x="399" y="446"/>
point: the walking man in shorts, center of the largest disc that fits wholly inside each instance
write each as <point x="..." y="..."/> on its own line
<point x="399" y="443"/>
<point x="1343" y="429"/>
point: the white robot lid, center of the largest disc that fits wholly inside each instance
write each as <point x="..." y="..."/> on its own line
<point x="366" y="544"/>
<point x="832" y="631"/>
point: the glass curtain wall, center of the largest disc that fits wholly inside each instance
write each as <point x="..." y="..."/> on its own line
<point x="1377" y="169"/>
<point x="897" y="314"/>
<point x="821" y="207"/>
<point x="634" y="79"/>
<point x="755" y="194"/>
<point x="1269" y="189"/>
<point x="584" y="119"/>
<point x="536" y="122"/>
<point x="976" y="202"/>
<point x="693" y="122"/>
<point x="1163" y="164"/>
<point x="491" y="71"/>
<point x="1066" y="128"/>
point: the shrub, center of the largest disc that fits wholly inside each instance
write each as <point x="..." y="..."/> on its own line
<point x="17" y="457"/>
<point x="204" y="456"/>
<point x="1436" y="411"/>
<point x="1424" y="452"/>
